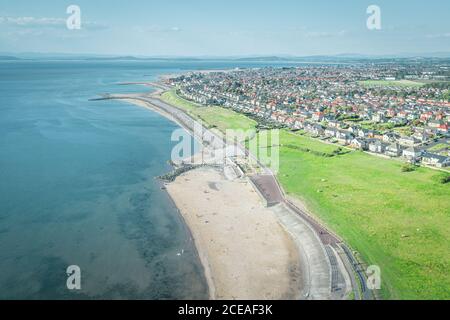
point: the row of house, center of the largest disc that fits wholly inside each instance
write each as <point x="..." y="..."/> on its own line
<point x="326" y="101"/>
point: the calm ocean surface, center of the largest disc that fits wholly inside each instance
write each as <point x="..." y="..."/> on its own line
<point x="77" y="185"/>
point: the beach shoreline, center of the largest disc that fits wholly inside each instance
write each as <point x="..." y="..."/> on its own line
<point x="278" y="268"/>
<point x="199" y="253"/>
<point x="307" y="245"/>
<point x="245" y="252"/>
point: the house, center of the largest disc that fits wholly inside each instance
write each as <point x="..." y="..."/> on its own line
<point x="377" y="146"/>
<point x="412" y="154"/>
<point x="359" y="143"/>
<point x="353" y="130"/>
<point x="344" y="136"/>
<point x="402" y="114"/>
<point x="444" y="127"/>
<point x="389" y="137"/>
<point x="330" y="132"/>
<point x="412" y="116"/>
<point x="289" y="122"/>
<point x="435" y="160"/>
<point x="391" y="113"/>
<point x="298" y="124"/>
<point x="318" y="130"/>
<point x="435" y="123"/>
<point x="304" y="115"/>
<point x="430" y="131"/>
<point x="393" y="150"/>
<point x="333" y="123"/>
<point x="420" y="136"/>
<point x="378" y="118"/>
<point x="315" y="129"/>
<point x="426" y="116"/>
<point x="408" y="141"/>
<point x="318" y="116"/>
<point x="362" y="133"/>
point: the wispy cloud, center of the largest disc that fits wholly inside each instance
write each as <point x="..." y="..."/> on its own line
<point x="45" y="22"/>
<point x="156" y="29"/>
<point x="31" y="21"/>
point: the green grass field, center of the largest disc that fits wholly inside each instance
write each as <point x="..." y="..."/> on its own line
<point x="218" y="117"/>
<point x="391" y="83"/>
<point x="397" y="220"/>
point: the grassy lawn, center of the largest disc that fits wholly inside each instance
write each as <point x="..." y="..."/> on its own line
<point x="218" y="117"/>
<point x="397" y="220"/>
<point x="288" y="139"/>
<point x="391" y="83"/>
<point x="405" y="131"/>
<point x="439" y="147"/>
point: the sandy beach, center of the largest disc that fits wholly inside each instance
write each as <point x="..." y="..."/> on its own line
<point x="246" y="253"/>
<point x="248" y="250"/>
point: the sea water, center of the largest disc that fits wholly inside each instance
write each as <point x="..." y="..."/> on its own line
<point x="78" y="187"/>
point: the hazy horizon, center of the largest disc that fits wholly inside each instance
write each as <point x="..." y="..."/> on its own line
<point x="37" y="55"/>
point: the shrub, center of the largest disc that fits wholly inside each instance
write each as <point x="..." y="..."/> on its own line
<point x="408" y="167"/>
<point x="444" y="178"/>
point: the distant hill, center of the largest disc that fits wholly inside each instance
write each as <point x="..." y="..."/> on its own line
<point x="263" y="58"/>
<point x="113" y="58"/>
<point x="338" y="58"/>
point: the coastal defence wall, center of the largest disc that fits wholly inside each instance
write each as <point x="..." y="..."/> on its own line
<point x="322" y="277"/>
<point x="324" y="274"/>
<point x="316" y="271"/>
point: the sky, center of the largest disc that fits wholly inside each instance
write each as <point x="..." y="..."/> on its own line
<point x="225" y="27"/>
